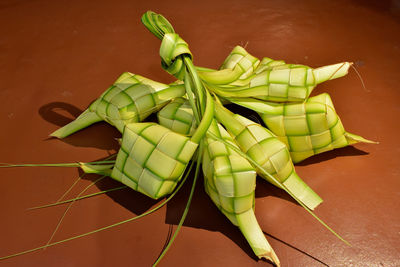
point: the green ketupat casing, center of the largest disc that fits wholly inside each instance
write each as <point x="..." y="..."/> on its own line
<point x="230" y="181"/>
<point x="151" y="160"/>
<point x="291" y="82"/>
<point x="269" y="79"/>
<point x="268" y="151"/>
<point x="130" y="99"/>
<point x="272" y="154"/>
<point x="237" y="67"/>
<point x="178" y="116"/>
<point x="307" y="128"/>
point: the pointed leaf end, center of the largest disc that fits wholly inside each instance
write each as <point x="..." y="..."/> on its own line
<point x="271" y="256"/>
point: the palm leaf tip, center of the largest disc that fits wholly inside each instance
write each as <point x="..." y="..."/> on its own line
<point x="353" y="139"/>
<point x="331" y="72"/>
<point x="132" y="98"/>
<point x="271" y="256"/>
<point x="157" y="24"/>
<point x="97" y="169"/>
<point x="250" y="228"/>
<point x="302" y="191"/>
<point x="84" y="120"/>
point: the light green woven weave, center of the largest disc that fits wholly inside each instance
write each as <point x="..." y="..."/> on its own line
<point x="230" y="181"/>
<point x="130" y="99"/>
<point x="178" y="116"/>
<point x="237" y="67"/>
<point x="243" y="75"/>
<point x="269" y="152"/>
<point x="307" y="128"/>
<point x="152" y="158"/>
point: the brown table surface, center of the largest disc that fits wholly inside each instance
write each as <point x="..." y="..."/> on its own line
<point x="58" y="56"/>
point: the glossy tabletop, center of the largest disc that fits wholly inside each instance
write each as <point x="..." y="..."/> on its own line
<point x="58" y="56"/>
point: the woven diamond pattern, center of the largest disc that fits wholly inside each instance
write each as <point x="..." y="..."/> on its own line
<point x="178" y="116"/>
<point x="276" y="81"/>
<point x="130" y="99"/>
<point x="152" y="158"/>
<point x="282" y="82"/>
<point x="261" y="144"/>
<point x="273" y="156"/>
<point x="307" y="128"/>
<point x="240" y="59"/>
<point x="229" y="179"/>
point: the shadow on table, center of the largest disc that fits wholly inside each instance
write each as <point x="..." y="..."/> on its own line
<point x="203" y="214"/>
<point x="99" y="135"/>
<point x="328" y="155"/>
<point x="391" y="7"/>
<point x="102" y="136"/>
<point x="299" y="250"/>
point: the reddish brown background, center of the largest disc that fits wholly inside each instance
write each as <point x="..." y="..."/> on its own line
<point x="58" y="56"/>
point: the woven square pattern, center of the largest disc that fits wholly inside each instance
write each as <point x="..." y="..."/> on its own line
<point x="282" y="82"/>
<point x="130" y="99"/>
<point x="268" y="151"/>
<point x="229" y="179"/>
<point x="229" y="206"/>
<point x="178" y="116"/>
<point x="307" y="128"/>
<point x="241" y="60"/>
<point x="273" y="156"/>
<point x="152" y="158"/>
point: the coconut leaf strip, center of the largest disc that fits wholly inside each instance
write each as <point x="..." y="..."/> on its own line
<point x="108" y="226"/>
<point x="281" y="184"/>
